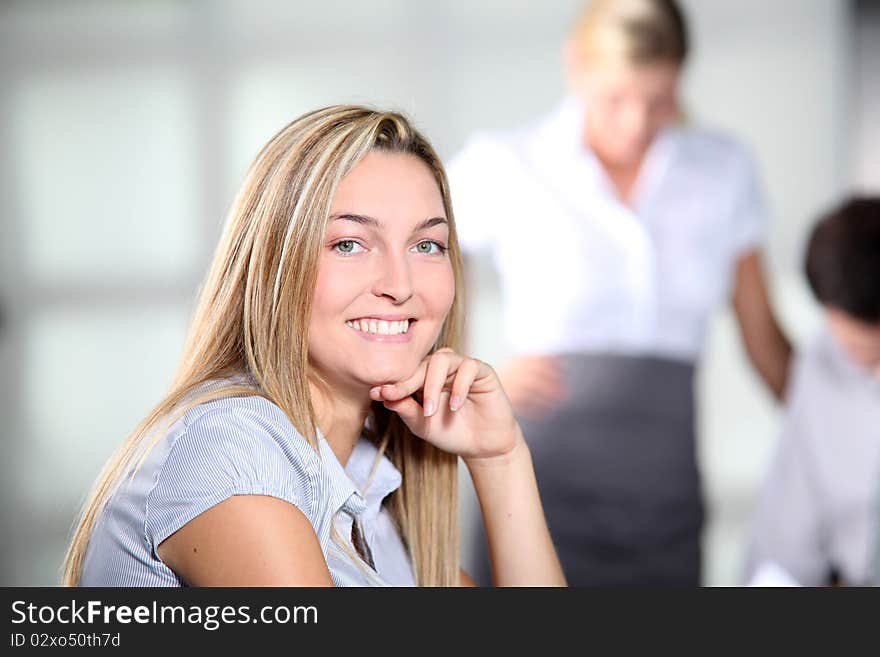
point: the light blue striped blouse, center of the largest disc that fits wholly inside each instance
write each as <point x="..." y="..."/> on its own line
<point x="241" y="446"/>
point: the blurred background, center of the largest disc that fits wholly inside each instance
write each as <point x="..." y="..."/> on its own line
<point x="126" y="127"/>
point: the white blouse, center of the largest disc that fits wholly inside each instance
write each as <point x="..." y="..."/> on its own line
<point x="579" y="270"/>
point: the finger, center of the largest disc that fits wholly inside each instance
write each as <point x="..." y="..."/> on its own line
<point x="535" y="407"/>
<point x="540" y="385"/>
<point x="404" y="388"/>
<point x="529" y="403"/>
<point x="526" y="385"/>
<point x="464" y="377"/>
<point x="440" y="366"/>
<point x="410" y="411"/>
<point x="531" y="393"/>
<point x="548" y="377"/>
<point x="546" y="369"/>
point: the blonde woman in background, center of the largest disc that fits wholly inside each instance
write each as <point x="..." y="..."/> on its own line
<point x="312" y="433"/>
<point x="616" y="229"/>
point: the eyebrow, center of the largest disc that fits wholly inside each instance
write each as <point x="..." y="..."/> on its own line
<point x="370" y="221"/>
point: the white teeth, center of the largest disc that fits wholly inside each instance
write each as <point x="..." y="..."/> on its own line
<point x="381" y="326"/>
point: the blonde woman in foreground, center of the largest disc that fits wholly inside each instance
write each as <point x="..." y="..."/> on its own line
<point x="312" y="432"/>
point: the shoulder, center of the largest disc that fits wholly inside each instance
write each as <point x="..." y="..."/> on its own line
<point x="252" y="429"/>
<point x="231" y="446"/>
<point x="818" y="359"/>
<point x="817" y="378"/>
<point x="714" y="149"/>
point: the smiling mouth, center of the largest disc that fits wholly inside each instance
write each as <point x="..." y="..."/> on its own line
<point x="381" y="326"/>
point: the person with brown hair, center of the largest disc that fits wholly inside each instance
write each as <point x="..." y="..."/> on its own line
<point x="817" y="521"/>
<point x="616" y="228"/>
<point x="313" y="430"/>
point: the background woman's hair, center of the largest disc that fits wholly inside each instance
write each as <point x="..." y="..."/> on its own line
<point x="631" y="32"/>
<point x="842" y="262"/>
<point x="253" y="317"/>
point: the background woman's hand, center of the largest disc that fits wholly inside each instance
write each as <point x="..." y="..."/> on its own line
<point x="534" y="384"/>
<point x="464" y="409"/>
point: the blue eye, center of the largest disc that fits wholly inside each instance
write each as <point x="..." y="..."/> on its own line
<point x="440" y="248"/>
<point x="345" y="247"/>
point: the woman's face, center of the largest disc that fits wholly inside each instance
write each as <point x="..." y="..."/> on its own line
<point x="625" y="107"/>
<point x="385" y="282"/>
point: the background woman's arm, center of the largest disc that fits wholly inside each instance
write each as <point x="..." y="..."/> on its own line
<point x="768" y="349"/>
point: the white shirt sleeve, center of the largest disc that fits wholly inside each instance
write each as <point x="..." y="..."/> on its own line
<point x="748" y="214"/>
<point x="472" y="175"/>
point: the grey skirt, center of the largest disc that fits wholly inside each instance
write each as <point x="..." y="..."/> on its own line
<point x="617" y="473"/>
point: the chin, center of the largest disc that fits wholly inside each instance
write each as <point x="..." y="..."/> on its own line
<point x="379" y="373"/>
<point x="626" y="158"/>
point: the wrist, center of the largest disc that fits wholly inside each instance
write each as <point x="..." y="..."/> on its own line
<point x="518" y="452"/>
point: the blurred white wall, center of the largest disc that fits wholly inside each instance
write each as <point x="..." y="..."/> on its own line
<point x="126" y="127"/>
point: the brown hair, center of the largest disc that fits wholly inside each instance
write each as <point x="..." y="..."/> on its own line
<point x="842" y="262"/>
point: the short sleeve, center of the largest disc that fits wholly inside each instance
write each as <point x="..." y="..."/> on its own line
<point x="472" y="175"/>
<point x="749" y="213"/>
<point x="220" y="454"/>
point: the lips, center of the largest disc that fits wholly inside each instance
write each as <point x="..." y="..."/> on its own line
<point x="387" y="318"/>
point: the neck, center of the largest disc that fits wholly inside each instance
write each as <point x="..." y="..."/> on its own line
<point x="341" y="417"/>
<point x="622" y="174"/>
<point x="623" y="177"/>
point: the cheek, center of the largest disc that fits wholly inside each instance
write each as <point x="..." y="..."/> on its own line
<point x="611" y="129"/>
<point x="334" y="289"/>
<point x="600" y="117"/>
<point x="662" y="117"/>
<point x="439" y="291"/>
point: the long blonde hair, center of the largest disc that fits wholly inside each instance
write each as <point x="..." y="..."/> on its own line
<point x="630" y="32"/>
<point x="253" y="317"/>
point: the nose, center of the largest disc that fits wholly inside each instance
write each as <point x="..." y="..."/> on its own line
<point x="392" y="278"/>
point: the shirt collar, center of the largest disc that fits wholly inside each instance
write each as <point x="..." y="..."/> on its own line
<point x="344" y="494"/>
<point x="384" y="481"/>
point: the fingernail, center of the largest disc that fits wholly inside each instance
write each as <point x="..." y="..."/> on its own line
<point x="375" y="391"/>
<point x="455" y="402"/>
<point x="429" y="407"/>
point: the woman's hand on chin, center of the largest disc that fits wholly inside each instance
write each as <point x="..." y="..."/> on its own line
<point x="463" y="408"/>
